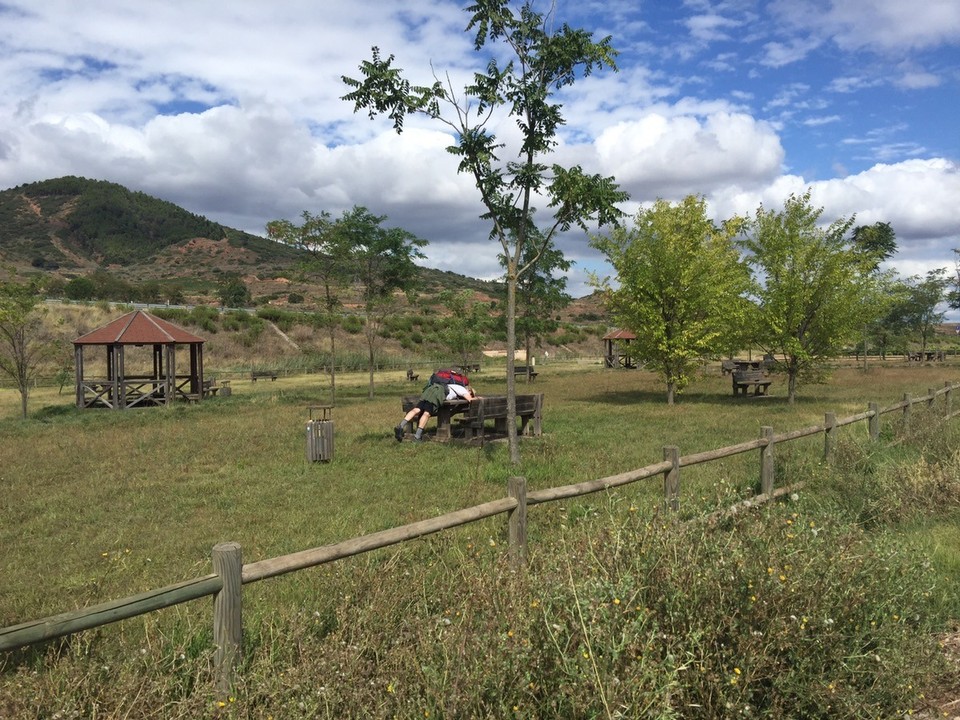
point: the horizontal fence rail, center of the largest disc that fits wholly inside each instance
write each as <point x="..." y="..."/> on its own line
<point x="230" y="574"/>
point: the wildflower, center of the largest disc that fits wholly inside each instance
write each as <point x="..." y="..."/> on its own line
<point x="534" y="603"/>
<point x="221" y="704"/>
<point x="510" y="633"/>
<point x="586" y="655"/>
<point x="616" y="601"/>
<point x="769" y="571"/>
<point x="753" y="598"/>
<point x="493" y="543"/>
<point x="390" y="688"/>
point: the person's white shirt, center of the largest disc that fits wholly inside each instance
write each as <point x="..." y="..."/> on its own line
<point x="455" y="391"/>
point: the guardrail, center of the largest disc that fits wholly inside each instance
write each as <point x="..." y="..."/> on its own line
<point x="230" y="574"/>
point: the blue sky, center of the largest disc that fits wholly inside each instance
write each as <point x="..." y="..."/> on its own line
<point x="233" y="110"/>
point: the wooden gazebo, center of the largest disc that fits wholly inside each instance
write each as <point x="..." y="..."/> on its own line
<point x="116" y="388"/>
<point x="617" y="349"/>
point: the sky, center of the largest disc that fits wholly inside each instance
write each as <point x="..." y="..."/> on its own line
<point x="233" y="109"/>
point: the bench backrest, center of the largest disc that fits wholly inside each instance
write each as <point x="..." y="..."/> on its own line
<point x="748" y="376"/>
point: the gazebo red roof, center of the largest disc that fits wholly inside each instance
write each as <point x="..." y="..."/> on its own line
<point x="138" y="328"/>
<point x="619" y="335"/>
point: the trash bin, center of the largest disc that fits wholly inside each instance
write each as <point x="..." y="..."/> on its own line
<point x="320" y="434"/>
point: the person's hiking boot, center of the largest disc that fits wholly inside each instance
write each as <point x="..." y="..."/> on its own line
<point x="398" y="433"/>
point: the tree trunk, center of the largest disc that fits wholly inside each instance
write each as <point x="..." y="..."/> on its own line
<point x="791" y="385"/>
<point x="24" y="394"/>
<point x="512" y="442"/>
<point x="671" y="390"/>
<point x="333" y="363"/>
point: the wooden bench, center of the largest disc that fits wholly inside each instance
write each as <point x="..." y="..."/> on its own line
<point x="254" y="374"/>
<point x="210" y="388"/>
<point x="727" y="366"/>
<point x="469" y="368"/>
<point x="529" y="411"/>
<point x="525" y="370"/>
<point x="744" y="379"/>
<point x="412" y="376"/>
<point x="476" y="414"/>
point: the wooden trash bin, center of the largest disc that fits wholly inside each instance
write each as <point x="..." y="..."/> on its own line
<point x="320" y="434"/>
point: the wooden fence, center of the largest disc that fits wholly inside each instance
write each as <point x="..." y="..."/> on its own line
<point x="230" y="574"/>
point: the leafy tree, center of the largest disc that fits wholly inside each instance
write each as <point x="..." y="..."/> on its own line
<point x="327" y="260"/>
<point x="878" y="242"/>
<point x="919" y="307"/>
<point x="813" y="289"/>
<point x="233" y="292"/>
<point x="681" y="286"/>
<point x="463" y="333"/>
<point x="80" y="288"/>
<point x="23" y="343"/>
<point x="529" y="61"/>
<point x="540" y="293"/>
<point x="380" y="263"/>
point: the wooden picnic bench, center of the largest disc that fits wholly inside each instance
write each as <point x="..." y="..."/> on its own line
<point x="254" y="374"/>
<point x="529" y="411"/>
<point x="525" y="370"/>
<point x="755" y="378"/>
<point x="412" y="376"/>
<point x="476" y="413"/>
<point x="210" y="388"/>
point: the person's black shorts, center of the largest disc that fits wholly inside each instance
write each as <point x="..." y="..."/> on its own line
<point x="427" y="407"/>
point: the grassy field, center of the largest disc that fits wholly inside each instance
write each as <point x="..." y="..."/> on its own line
<point x="97" y="505"/>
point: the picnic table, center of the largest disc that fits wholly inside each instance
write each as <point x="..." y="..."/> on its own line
<point x="475" y="415"/>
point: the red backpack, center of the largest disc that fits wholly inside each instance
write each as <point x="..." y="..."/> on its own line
<point x="447" y="376"/>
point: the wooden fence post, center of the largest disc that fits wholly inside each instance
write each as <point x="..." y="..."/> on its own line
<point x="517" y="522"/>
<point x="947" y="401"/>
<point x="907" y="402"/>
<point x="766" y="461"/>
<point x="874" y="421"/>
<point x="829" y="426"/>
<point x="671" y="478"/>
<point x="227" y="616"/>
<point x="931" y="396"/>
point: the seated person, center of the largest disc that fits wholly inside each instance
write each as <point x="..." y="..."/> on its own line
<point x="432" y="397"/>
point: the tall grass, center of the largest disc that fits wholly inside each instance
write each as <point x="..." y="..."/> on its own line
<point x="623" y="611"/>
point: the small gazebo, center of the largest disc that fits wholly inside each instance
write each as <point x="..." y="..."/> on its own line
<point x="617" y="349"/>
<point x="115" y="388"/>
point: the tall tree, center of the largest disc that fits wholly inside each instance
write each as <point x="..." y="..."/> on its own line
<point x="923" y="296"/>
<point x="528" y="61"/>
<point x="23" y="342"/>
<point x="463" y="332"/>
<point x="233" y="292"/>
<point x="380" y="262"/>
<point x="681" y="286"/>
<point x="878" y="242"/>
<point x="324" y="259"/>
<point x="541" y="292"/>
<point x="812" y="286"/>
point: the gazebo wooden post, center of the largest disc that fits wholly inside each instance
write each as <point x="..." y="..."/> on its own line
<point x="171" y="373"/>
<point x="78" y="371"/>
<point x="113" y="375"/>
